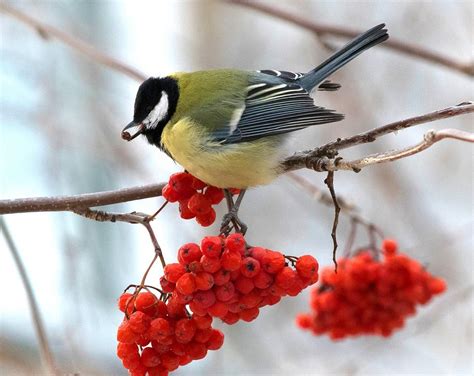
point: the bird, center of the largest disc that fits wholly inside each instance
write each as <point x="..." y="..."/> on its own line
<point x="229" y="127"/>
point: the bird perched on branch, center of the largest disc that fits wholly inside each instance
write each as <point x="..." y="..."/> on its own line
<point x="228" y="127"/>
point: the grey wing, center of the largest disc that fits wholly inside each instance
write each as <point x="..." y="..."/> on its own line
<point x="272" y="109"/>
<point x="287" y="76"/>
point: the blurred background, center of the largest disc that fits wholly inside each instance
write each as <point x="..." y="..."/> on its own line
<point x="61" y="115"/>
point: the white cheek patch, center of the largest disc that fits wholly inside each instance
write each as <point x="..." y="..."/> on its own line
<point x="158" y="113"/>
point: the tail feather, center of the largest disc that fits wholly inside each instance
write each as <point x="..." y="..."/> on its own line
<point x="354" y="48"/>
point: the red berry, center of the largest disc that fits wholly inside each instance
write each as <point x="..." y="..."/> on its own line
<point x="125" y="350"/>
<point x="231" y="318"/>
<point x="202" y="322"/>
<point x="150" y="358"/>
<point x="139" y="322"/>
<point x="221" y="277"/>
<point x="186" y="284"/>
<point x="196" y="350"/>
<point x="214" y="195"/>
<point x="170" y="361"/>
<point x="184" y="211"/>
<point x="250" y="300"/>
<point x="160" y="328"/>
<point x="204" y="281"/>
<point x="225" y="292"/>
<point x="257" y="253"/>
<point x="210" y="265"/>
<point x="231" y="260"/>
<point x="178" y="348"/>
<point x="166" y="285"/>
<point x="185" y="330"/>
<point x="205" y="298"/>
<point x="125" y="302"/>
<point x="125" y="333"/>
<point x="169" y="193"/>
<point x="205" y="220"/>
<point x="211" y="246"/>
<point x="184" y="359"/>
<point x="188" y="253"/>
<point x="146" y="302"/>
<point x="263" y="280"/>
<point x="216" y="341"/>
<point x="285" y="278"/>
<point x="244" y="285"/>
<point x="198" y="184"/>
<point x="303" y="321"/>
<point x="203" y="335"/>
<point x="173" y="272"/>
<point x="249" y="314"/>
<point x="132" y="362"/>
<point x="273" y="262"/>
<point x="307" y="266"/>
<point x="236" y="243"/>
<point x="249" y="267"/>
<point x="218" y="309"/>
<point x="437" y="285"/>
<point x="389" y="246"/>
<point x="199" y="204"/>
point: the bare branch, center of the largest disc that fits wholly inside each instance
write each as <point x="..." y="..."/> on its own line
<point x="394" y="44"/>
<point x="329" y="181"/>
<point x="429" y="139"/>
<point x="319" y="158"/>
<point x="93" y="53"/>
<point x="45" y="349"/>
<point x="69" y="203"/>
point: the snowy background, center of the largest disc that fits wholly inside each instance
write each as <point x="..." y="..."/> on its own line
<point x="61" y="115"/>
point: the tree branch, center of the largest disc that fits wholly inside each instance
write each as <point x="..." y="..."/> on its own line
<point x="45" y="349"/>
<point x="93" y="53"/>
<point x="429" y="139"/>
<point x="69" y="203"/>
<point x="319" y="159"/>
<point x="394" y="44"/>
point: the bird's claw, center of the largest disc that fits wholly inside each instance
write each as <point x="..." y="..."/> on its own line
<point x="231" y="220"/>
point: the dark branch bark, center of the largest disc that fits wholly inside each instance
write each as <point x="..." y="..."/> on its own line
<point x="318" y="158"/>
<point x="87" y="200"/>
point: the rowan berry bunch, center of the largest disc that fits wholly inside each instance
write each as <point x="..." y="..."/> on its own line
<point x="195" y="197"/>
<point x="226" y="279"/>
<point x="157" y="337"/>
<point x="368" y="296"/>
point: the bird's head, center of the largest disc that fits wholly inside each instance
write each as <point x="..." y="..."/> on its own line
<point x="155" y="104"/>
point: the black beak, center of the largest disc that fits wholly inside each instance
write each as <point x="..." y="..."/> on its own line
<point x="128" y="136"/>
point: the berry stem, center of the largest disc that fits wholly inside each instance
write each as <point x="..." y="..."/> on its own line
<point x="329" y="181"/>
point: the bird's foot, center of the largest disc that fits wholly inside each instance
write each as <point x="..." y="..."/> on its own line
<point x="232" y="221"/>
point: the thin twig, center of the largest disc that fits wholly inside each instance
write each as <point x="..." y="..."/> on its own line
<point x="317" y="158"/>
<point x="394" y="44"/>
<point x="429" y="139"/>
<point x="45" y="350"/>
<point x="134" y="218"/>
<point x="69" y="203"/>
<point x="47" y="31"/>
<point x="330" y="183"/>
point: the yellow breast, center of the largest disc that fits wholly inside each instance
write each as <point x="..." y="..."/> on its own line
<point x="240" y="165"/>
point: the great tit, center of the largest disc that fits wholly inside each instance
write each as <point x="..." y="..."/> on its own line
<point x="228" y="127"/>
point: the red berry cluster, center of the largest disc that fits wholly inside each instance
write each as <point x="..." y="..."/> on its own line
<point x="367" y="296"/>
<point x="157" y="337"/>
<point x="226" y="279"/>
<point x="195" y="197"/>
